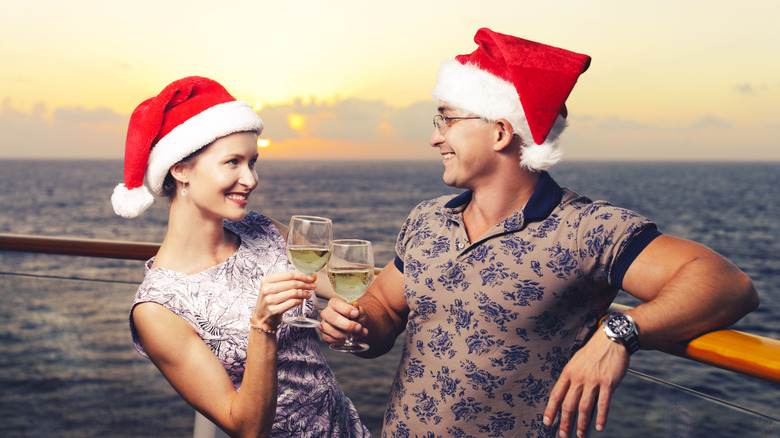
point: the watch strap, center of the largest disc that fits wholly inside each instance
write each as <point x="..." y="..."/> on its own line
<point x="631" y="342"/>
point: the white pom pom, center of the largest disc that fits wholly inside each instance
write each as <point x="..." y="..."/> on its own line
<point x="540" y="156"/>
<point x="131" y="203"/>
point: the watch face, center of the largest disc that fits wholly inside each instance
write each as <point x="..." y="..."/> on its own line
<point x="619" y="325"/>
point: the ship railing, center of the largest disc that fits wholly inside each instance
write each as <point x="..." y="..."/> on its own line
<point x="740" y="352"/>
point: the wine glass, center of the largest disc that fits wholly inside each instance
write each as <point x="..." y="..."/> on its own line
<point x="308" y="240"/>
<point x="350" y="271"/>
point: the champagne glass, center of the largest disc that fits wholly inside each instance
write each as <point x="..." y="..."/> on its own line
<point x="308" y="240"/>
<point x="350" y="271"/>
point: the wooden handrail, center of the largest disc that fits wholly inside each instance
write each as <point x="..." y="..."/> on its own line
<point x="732" y="350"/>
<point x="745" y="353"/>
<point x="80" y="247"/>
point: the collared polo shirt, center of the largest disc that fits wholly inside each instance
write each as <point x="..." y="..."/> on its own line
<point x="493" y="322"/>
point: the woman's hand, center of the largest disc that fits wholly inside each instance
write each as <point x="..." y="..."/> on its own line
<point x="278" y="293"/>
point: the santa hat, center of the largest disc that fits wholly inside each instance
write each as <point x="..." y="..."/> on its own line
<point x="522" y="81"/>
<point x="187" y="115"/>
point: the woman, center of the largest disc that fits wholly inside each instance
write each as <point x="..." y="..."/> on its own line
<point x="208" y="313"/>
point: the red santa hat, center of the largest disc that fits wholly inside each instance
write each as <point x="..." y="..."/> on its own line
<point x="187" y="115"/>
<point x="522" y="81"/>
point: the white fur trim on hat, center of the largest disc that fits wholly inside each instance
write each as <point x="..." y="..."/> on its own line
<point x="198" y="131"/>
<point x="467" y="87"/>
<point x="130" y="203"/>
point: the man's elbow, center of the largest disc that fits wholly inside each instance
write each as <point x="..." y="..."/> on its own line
<point x="751" y="295"/>
<point x="746" y="297"/>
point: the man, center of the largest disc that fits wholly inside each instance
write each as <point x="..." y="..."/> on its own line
<point x="500" y="289"/>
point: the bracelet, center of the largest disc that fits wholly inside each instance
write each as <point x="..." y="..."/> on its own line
<point x="264" y="330"/>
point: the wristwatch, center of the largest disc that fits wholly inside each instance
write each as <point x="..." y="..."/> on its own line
<point x="621" y="328"/>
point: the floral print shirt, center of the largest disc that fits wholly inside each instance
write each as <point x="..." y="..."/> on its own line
<point x="493" y="322"/>
<point x="218" y="303"/>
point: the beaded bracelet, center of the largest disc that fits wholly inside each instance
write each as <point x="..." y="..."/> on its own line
<point x="264" y="330"/>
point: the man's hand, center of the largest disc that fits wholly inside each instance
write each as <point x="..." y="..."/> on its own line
<point x="377" y="318"/>
<point x="589" y="379"/>
<point x="339" y="318"/>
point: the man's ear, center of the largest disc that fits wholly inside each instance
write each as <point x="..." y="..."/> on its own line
<point x="504" y="134"/>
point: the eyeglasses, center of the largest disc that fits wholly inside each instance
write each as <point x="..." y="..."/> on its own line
<point x="442" y="122"/>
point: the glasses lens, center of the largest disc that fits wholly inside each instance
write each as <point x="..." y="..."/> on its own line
<point x="438" y="122"/>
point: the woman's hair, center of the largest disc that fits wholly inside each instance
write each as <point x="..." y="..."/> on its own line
<point x="169" y="183"/>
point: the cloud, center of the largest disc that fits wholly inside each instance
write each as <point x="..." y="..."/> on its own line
<point x="774" y="126"/>
<point x="619" y="124"/>
<point x="371" y="129"/>
<point x="710" y="122"/>
<point x="61" y="133"/>
<point x="414" y="122"/>
<point x="356" y="128"/>
<point x="347" y="120"/>
<point x="350" y="119"/>
<point x="708" y="137"/>
<point x="745" y="89"/>
<point x="80" y="115"/>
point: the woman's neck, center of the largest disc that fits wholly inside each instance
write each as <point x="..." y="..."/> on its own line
<point x="194" y="242"/>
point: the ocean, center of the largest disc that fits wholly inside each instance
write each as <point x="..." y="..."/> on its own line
<point x="68" y="367"/>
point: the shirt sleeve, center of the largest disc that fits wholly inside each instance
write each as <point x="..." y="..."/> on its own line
<point x="610" y="238"/>
<point x="633" y="247"/>
<point x="408" y="233"/>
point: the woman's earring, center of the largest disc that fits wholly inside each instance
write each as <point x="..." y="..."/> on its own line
<point x="184" y="190"/>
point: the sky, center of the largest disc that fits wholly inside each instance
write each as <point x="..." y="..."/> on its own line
<point x="346" y="79"/>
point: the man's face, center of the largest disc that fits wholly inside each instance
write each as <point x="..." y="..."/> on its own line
<point x="464" y="146"/>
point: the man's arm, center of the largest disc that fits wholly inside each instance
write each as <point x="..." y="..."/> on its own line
<point x="379" y="318"/>
<point x="687" y="289"/>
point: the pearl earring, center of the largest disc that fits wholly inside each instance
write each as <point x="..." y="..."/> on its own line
<point x="184" y="190"/>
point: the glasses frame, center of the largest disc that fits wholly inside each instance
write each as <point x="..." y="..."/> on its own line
<point x="441" y="122"/>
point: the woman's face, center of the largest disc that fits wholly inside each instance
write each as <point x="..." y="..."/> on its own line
<point x="223" y="176"/>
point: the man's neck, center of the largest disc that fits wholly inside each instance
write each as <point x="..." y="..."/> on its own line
<point x="490" y="204"/>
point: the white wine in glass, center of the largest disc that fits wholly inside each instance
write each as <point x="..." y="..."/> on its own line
<point x="350" y="271"/>
<point x="308" y="246"/>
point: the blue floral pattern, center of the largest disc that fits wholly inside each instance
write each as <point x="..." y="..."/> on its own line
<point x="492" y="324"/>
<point x="218" y="303"/>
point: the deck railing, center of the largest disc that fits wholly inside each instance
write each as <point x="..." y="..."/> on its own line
<point x="646" y="405"/>
<point x="741" y="352"/>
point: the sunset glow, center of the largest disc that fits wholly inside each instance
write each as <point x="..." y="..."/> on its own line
<point x="325" y="78"/>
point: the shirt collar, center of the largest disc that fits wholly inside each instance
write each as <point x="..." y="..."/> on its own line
<point x="546" y="196"/>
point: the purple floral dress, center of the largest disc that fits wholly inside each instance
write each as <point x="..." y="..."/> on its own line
<point x="218" y="303"/>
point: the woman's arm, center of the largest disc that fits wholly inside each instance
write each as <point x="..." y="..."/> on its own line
<point x="198" y="376"/>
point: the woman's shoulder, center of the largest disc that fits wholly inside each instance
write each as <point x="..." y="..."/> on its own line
<point x="254" y="218"/>
<point x="258" y="233"/>
<point x="157" y="285"/>
<point x="252" y="225"/>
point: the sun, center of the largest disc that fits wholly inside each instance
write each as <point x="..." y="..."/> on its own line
<point x="296" y="121"/>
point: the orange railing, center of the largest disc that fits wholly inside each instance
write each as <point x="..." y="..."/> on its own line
<point x="744" y="353"/>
